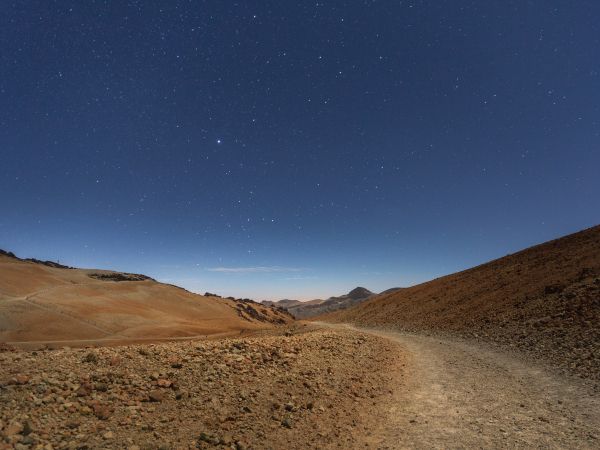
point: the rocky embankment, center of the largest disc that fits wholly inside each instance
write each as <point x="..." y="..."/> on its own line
<point x="299" y="390"/>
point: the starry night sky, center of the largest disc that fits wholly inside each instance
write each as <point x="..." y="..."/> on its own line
<point x="272" y="149"/>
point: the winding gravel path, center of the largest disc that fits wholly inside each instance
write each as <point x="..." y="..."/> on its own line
<point x="459" y="394"/>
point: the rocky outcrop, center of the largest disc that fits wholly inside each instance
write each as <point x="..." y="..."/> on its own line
<point x="120" y="276"/>
<point x="54" y="264"/>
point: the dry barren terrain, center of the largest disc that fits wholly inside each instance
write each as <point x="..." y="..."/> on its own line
<point x="504" y="355"/>
<point x="543" y="301"/>
<point x="44" y="304"/>
<point x="458" y="393"/>
<point x="318" y="389"/>
<point x="312" y="387"/>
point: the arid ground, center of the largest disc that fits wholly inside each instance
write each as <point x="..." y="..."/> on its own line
<point x="504" y="355"/>
<point x="41" y="304"/>
<point x="299" y="389"/>
<point x="543" y="301"/>
<point x="317" y="386"/>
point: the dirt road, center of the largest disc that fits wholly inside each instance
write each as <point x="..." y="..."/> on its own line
<point x="458" y="394"/>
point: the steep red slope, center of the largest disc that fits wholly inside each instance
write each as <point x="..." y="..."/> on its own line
<point x="544" y="300"/>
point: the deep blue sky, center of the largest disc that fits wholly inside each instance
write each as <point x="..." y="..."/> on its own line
<point x="296" y="149"/>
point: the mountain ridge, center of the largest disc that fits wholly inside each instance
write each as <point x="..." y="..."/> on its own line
<point x="303" y="310"/>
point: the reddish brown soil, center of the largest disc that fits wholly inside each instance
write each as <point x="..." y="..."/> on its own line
<point x="544" y="301"/>
<point x="41" y="304"/>
<point x="317" y="390"/>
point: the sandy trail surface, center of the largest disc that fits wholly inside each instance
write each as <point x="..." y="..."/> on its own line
<point x="459" y="394"/>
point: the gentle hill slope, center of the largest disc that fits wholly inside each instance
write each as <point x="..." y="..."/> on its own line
<point x="41" y="302"/>
<point x="544" y="300"/>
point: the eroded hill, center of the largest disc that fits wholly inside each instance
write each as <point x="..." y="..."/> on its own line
<point x="43" y="302"/>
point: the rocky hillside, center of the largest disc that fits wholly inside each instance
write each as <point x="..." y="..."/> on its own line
<point x="303" y="310"/>
<point x="45" y="302"/>
<point x="544" y="300"/>
<point x="285" y="303"/>
<point x="315" y="390"/>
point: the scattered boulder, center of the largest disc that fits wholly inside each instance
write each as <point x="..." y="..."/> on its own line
<point x="164" y="383"/>
<point x="156" y="396"/>
<point x="91" y="358"/>
<point x="19" y="379"/>
<point x="101" y="411"/>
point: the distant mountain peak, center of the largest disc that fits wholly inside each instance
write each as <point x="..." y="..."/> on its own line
<point x="359" y="292"/>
